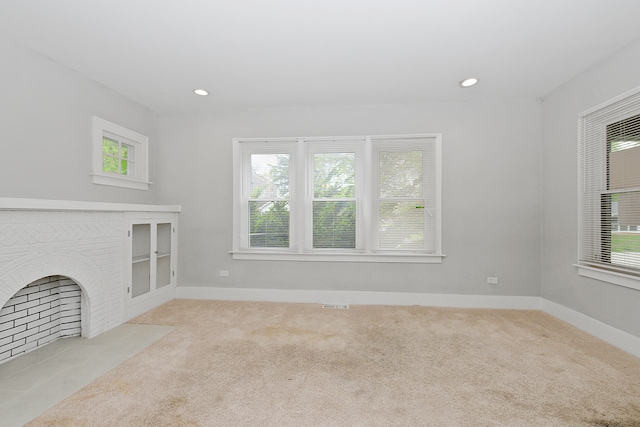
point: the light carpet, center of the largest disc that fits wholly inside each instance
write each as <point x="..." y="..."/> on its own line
<point x="280" y="364"/>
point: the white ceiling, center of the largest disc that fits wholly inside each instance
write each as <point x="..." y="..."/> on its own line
<point x="270" y="53"/>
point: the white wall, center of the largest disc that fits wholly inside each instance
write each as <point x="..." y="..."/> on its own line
<point x="491" y="196"/>
<point x="509" y="203"/>
<point x="611" y="304"/>
<point x="45" y="129"/>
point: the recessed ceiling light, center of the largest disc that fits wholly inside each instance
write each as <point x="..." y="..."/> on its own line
<point x="200" y="92"/>
<point x="468" y="82"/>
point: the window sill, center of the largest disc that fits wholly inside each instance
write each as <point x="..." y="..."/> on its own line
<point x="116" y="181"/>
<point x="338" y="257"/>
<point x="620" y="279"/>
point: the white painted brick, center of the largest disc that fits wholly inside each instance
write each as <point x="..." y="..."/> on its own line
<point x="55" y="316"/>
<point x="71" y="311"/>
<point x="13" y="331"/>
<point x="41" y="308"/>
<point x="14" y="344"/>
<point x="5" y="341"/>
<point x="39" y="322"/>
<point x="69" y="319"/>
<point x="48" y="339"/>
<point x="49" y="311"/>
<point x="6" y="310"/>
<point x="24" y="348"/>
<point x="26" y="319"/>
<point x="26" y="305"/>
<point x="27" y="290"/>
<point x="96" y="238"/>
<point x="55" y="303"/>
<point x="43" y="281"/>
<point x="40" y="294"/>
<point x="6" y="325"/>
<point x="72" y="332"/>
<point x="70" y="293"/>
<point x="16" y="300"/>
<point x="37" y="336"/>
<point x="5" y="355"/>
<point x="26" y="334"/>
<point x="50" y="298"/>
<point x="51" y="285"/>
<point x="14" y="316"/>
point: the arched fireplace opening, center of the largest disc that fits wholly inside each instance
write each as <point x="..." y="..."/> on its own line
<point x="40" y="313"/>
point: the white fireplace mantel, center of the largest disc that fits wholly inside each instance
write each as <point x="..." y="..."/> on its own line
<point x="84" y="241"/>
<point x="7" y="203"/>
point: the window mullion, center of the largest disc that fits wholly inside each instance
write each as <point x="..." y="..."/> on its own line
<point x="301" y="186"/>
<point x="119" y="157"/>
<point x="364" y="218"/>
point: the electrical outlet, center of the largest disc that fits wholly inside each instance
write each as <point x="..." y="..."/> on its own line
<point x="224" y="273"/>
<point x="492" y="280"/>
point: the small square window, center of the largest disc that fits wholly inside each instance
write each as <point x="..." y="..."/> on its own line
<point x="120" y="156"/>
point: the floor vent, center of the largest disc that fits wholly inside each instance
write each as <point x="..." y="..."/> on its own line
<point x="336" y="306"/>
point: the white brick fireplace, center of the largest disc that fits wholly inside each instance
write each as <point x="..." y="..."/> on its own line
<point x="81" y="243"/>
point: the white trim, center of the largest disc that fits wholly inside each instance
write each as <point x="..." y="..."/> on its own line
<point x="14" y="204"/>
<point x="620" y="279"/>
<point x="337" y="257"/>
<point x="616" y="337"/>
<point x="623" y="340"/>
<point x="119" y="181"/>
<point x="139" y="181"/>
<point x="301" y="150"/>
<point x="159" y="297"/>
<point x="359" y="297"/>
<point x="613" y="100"/>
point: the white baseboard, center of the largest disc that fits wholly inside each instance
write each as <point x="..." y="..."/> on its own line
<point x="359" y="298"/>
<point x="616" y="337"/>
<point x="623" y="340"/>
<point x="154" y="299"/>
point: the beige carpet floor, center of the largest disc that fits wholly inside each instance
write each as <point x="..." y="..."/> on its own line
<point x="272" y="364"/>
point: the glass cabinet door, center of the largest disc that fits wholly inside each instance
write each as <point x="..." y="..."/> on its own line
<point x="163" y="255"/>
<point x="141" y="260"/>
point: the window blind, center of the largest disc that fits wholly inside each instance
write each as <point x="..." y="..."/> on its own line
<point x="269" y="209"/>
<point x="368" y="198"/>
<point x="335" y="193"/>
<point x="609" y="192"/>
<point x="404" y="205"/>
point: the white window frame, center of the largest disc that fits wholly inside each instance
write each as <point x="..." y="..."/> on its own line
<point x="301" y="150"/>
<point x="139" y="180"/>
<point x="320" y="146"/>
<point x="431" y="201"/>
<point x="242" y="206"/>
<point x="594" y="121"/>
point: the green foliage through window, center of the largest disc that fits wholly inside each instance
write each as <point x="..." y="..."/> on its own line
<point x="268" y="213"/>
<point x="117" y="157"/>
<point x="269" y="224"/>
<point x="342" y="197"/>
<point x="334" y="218"/>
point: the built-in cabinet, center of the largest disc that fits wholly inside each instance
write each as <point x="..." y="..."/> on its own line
<point x="151" y="261"/>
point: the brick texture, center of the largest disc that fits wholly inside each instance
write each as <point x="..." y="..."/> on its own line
<point x="87" y="247"/>
<point x="52" y="310"/>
